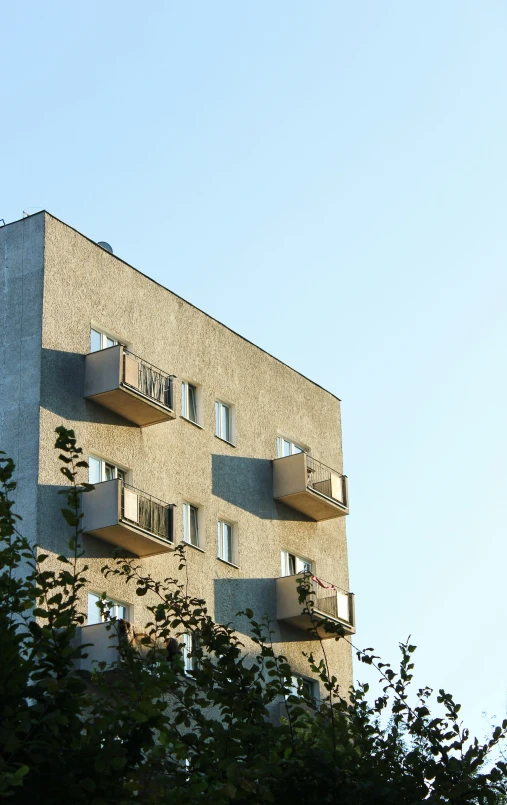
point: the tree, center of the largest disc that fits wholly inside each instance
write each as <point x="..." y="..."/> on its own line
<point x="148" y="731"/>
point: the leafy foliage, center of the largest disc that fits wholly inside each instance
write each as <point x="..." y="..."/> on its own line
<point x="147" y="730"/>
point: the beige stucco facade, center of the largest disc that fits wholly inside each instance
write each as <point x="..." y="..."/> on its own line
<point x="56" y="284"/>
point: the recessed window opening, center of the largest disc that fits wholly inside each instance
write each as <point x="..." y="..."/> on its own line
<point x="100" y="470"/>
<point x="189" y="402"/>
<point x="223" y="421"/>
<point x="287" y="448"/>
<point x="304" y="684"/>
<point x="114" y="609"/>
<point x="226" y="547"/>
<point x="293" y="564"/>
<point x="190" y="647"/>
<point x="101" y="340"/>
<point x="191" y="524"/>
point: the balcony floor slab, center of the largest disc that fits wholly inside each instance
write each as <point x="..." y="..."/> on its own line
<point x="136" y="541"/>
<point x="133" y="406"/>
<point x="314" y="505"/>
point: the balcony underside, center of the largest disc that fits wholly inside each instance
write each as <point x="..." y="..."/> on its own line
<point x="304" y="622"/>
<point x="316" y="506"/>
<point x="132" y="539"/>
<point x="134" y="406"/>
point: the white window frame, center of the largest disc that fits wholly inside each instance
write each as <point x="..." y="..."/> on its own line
<point x="311" y="686"/>
<point x="293" y="447"/>
<point x="231" y="557"/>
<point x="117" y="609"/>
<point x="299" y="563"/>
<point x="190" y="642"/>
<point x="220" y="431"/>
<point x="188" y="510"/>
<point x="186" y="385"/>
<point x="104" y="338"/>
<point x="114" y="470"/>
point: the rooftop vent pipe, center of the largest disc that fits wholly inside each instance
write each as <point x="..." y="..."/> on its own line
<point x="105" y="246"/>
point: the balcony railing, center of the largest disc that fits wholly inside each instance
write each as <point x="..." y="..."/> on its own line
<point x="311" y="487"/>
<point x="102" y="644"/>
<point x="119" y="513"/>
<point x="325" y="481"/>
<point x="147" y="379"/>
<point x="106" y="643"/>
<point x="332" y="601"/>
<point x="146" y="512"/>
<point x="325" y="600"/>
<point x="130" y="386"/>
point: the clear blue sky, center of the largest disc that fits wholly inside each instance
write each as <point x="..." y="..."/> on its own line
<point x="330" y="180"/>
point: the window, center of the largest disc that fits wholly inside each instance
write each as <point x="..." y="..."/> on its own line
<point x="191" y="524"/>
<point x="287" y="448"/>
<point x="190" y="402"/>
<point x="224" y="421"/>
<point x="226" y="547"/>
<point x="100" y="340"/>
<point x="301" y="684"/>
<point x="115" y="609"/>
<point x="292" y="564"/>
<point x="100" y="470"/>
<point x="190" y="646"/>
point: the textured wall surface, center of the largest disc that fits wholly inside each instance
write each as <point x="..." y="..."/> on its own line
<point x="177" y="461"/>
<point x="21" y="283"/>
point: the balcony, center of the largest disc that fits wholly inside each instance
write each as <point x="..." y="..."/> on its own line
<point x="328" y="602"/>
<point x="104" y="644"/>
<point x="310" y="487"/>
<point x="103" y="641"/>
<point x="124" y="516"/>
<point x="129" y="386"/>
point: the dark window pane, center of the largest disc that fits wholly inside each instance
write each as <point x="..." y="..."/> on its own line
<point x="194" y="526"/>
<point x="192" y="403"/>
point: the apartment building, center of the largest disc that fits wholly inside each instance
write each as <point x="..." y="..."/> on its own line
<point x="193" y="434"/>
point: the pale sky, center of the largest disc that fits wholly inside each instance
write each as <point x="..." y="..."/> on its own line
<point x="328" y="179"/>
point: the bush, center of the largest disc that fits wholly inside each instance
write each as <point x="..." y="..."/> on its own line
<point x="149" y="731"/>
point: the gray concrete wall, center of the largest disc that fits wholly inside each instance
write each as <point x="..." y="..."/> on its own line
<point x="21" y="282"/>
<point x="177" y="461"/>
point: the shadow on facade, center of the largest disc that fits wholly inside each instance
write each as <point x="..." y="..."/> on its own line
<point x="235" y="595"/>
<point x="248" y="484"/>
<point x="62" y="390"/>
<point x="53" y="533"/>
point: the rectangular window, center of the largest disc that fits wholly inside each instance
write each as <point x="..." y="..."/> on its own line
<point x="190" y="646"/>
<point x="292" y="564"/>
<point x="100" y="340"/>
<point x="301" y="684"/>
<point x="223" y="421"/>
<point x="115" y="609"/>
<point x="287" y="448"/>
<point x="100" y="470"/>
<point x="226" y="550"/>
<point x="189" y="403"/>
<point x="191" y="524"/>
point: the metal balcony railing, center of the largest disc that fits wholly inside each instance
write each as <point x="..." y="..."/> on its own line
<point x="148" y="379"/>
<point x="332" y="600"/>
<point x="323" y="601"/>
<point x="326" y="481"/>
<point x="146" y="512"/>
